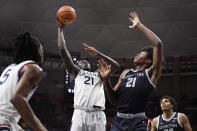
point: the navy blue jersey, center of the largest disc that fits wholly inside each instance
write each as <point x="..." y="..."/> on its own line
<point x="133" y="94"/>
<point x="171" y="124"/>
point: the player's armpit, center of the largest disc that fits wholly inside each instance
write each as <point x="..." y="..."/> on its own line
<point x="154" y="74"/>
<point x="68" y="63"/>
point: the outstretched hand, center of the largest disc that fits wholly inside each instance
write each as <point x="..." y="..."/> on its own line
<point x="134" y="19"/>
<point x="91" y="50"/>
<point x="59" y="24"/>
<point x="104" y="69"/>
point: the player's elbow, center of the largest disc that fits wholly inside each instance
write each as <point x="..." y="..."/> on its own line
<point x="160" y="44"/>
<point x="116" y="67"/>
<point x="16" y="99"/>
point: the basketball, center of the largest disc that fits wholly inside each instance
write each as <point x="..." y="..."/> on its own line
<point x="66" y="15"/>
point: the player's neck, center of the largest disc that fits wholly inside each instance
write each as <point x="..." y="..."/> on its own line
<point x="140" y="67"/>
<point x="168" y="114"/>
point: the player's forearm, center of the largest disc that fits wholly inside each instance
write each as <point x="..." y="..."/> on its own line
<point x="66" y="57"/>
<point x="61" y="41"/>
<point x="149" y="34"/>
<point x="110" y="92"/>
<point x="26" y="113"/>
<point x="115" y="66"/>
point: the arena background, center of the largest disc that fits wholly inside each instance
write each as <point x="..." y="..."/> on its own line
<point x="103" y="24"/>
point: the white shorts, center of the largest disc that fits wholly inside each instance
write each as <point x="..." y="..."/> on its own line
<point x="88" y="120"/>
<point x="9" y="124"/>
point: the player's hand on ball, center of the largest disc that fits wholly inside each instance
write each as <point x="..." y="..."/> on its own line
<point x="60" y="25"/>
<point x="91" y="50"/>
<point x="104" y="69"/>
<point x="65" y="16"/>
<point x="134" y="19"/>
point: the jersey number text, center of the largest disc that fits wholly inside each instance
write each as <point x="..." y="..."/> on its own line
<point x="131" y="82"/>
<point x="89" y="80"/>
<point x="4" y="77"/>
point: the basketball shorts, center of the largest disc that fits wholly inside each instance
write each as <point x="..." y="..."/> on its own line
<point x="88" y="120"/>
<point x="8" y="125"/>
<point x="129" y="124"/>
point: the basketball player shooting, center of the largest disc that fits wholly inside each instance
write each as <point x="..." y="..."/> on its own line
<point x="134" y="85"/>
<point x="89" y="98"/>
<point x="18" y="83"/>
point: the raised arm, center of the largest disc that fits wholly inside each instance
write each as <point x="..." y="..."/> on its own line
<point x="66" y="57"/>
<point x="32" y="74"/>
<point x="155" y="70"/>
<point x="92" y="51"/>
<point x="105" y="72"/>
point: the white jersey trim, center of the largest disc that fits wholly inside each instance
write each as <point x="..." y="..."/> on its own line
<point x="169" y="118"/>
<point x="179" y="120"/>
<point x="128" y="72"/>
<point x="149" y="78"/>
<point x="157" y="122"/>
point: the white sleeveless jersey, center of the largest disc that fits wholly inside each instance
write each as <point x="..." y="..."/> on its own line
<point x="8" y="83"/>
<point x="88" y="90"/>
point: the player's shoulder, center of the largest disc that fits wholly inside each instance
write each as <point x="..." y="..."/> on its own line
<point x="182" y="116"/>
<point x="155" y="122"/>
<point x="33" y="67"/>
<point x="124" y="72"/>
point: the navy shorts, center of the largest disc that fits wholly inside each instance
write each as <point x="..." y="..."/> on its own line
<point x="4" y="128"/>
<point x="129" y="124"/>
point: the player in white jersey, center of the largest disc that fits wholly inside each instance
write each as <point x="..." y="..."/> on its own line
<point x="18" y="82"/>
<point x="89" y="99"/>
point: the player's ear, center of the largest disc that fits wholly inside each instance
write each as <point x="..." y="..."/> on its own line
<point x="148" y="61"/>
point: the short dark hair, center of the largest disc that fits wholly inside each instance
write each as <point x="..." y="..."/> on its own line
<point x="172" y="101"/>
<point x="26" y="47"/>
<point x="149" y="50"/>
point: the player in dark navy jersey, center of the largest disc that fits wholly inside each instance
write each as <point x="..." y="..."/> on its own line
<point x="134" y="86"/>
<point x="170" y="120"/>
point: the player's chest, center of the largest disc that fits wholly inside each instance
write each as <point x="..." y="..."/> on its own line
<point x="133" y="80"/>
<point x="88" y="79"/>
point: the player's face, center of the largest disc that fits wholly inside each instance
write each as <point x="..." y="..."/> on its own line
<point x="140" y="59"/>
<point x="85" y="65"/>
<point x="166" y="104"/>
